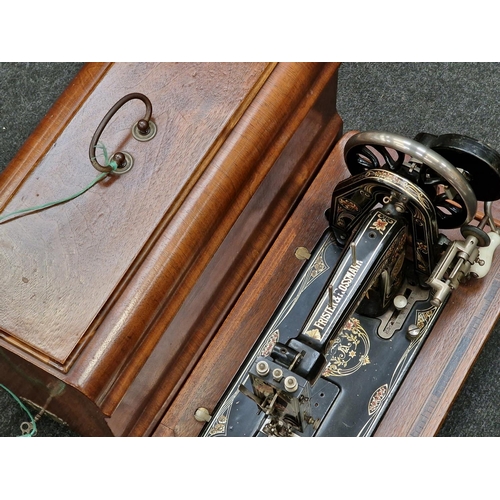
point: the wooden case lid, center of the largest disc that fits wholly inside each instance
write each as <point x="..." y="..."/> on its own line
<point x="62" y="268"/>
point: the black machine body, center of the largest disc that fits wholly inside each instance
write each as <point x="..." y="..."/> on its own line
<point x="337" y="348"/>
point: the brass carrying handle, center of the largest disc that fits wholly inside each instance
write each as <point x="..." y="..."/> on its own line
<point x="143" y="130"/>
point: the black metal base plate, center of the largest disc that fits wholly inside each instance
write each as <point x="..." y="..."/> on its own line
<point x="364" y="367"/>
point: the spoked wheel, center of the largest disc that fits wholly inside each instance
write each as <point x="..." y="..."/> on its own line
<point x="478" y="162"/>
<point x="448" y="189"/>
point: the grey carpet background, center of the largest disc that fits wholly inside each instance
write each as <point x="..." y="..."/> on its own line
<point x="404" y="98"/>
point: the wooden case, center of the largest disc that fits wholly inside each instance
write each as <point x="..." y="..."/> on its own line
<point x="110" y="299"/>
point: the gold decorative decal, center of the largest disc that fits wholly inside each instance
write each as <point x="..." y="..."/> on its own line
<point x="404" y="185"/>
<point x="315" y="334"/>
<point x="396" y="274"/>
<point x="318" y="267"/>
<point x="422" y="247"/>
<point x="324" y="313"/>
<point x="348" y="351"/>
<point x="377" y="397"/>
<point x="219" y="427"/>
<point x="381" y="223"/>
<point x="270" y="343"/>
<point x="348" y="205"/>
<point x="423" y="317"/>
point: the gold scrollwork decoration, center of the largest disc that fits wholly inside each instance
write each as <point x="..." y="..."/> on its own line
<point x="315" y="334"/>
<point x="270" y="343"/>
<point x="348" y="205"/>
<point x="219" y="427"/>
<point x="348" y="351"/>
<point x="381" y="223"/>
<point x="423" y="317"/>
<point x="377" y="398"/>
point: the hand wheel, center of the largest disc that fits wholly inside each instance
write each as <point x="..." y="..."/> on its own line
<point x="449" y="190"/>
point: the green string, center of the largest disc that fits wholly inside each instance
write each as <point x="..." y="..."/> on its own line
<point x="26" y="211"/>
<point x="99" y="178"/>
<point x="21" y="404"/>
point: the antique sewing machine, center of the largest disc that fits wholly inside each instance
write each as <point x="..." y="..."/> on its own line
<point x="213" y="256"/>
<point x="336" y="350"/>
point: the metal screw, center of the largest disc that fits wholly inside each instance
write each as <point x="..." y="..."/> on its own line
<point x="413" y="332"/>
<point x="262" y="368"/>
<point x="277" y="374"/>
<point x="302" y="253"/>
<point x="202" y="415"/>
<point x="291" y="384"/>
<point x="400" y="302"/>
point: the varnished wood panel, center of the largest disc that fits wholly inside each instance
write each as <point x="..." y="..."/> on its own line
<point x="431" y="385"/>
<point x="244" y="247"/>
<point x="62" y="265"/>
<point x="197" y="257"/>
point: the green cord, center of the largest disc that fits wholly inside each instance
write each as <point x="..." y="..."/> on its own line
<point x="27" y="211"/>
<point x="21" y="404"/>
<point x="98" y="179"/>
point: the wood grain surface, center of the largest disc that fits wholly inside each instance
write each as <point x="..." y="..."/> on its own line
<point x="117" y="293"/>
<point x="62" y="265"/>
<point x="289" y="161"/>
<point x="435" y="378"/>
